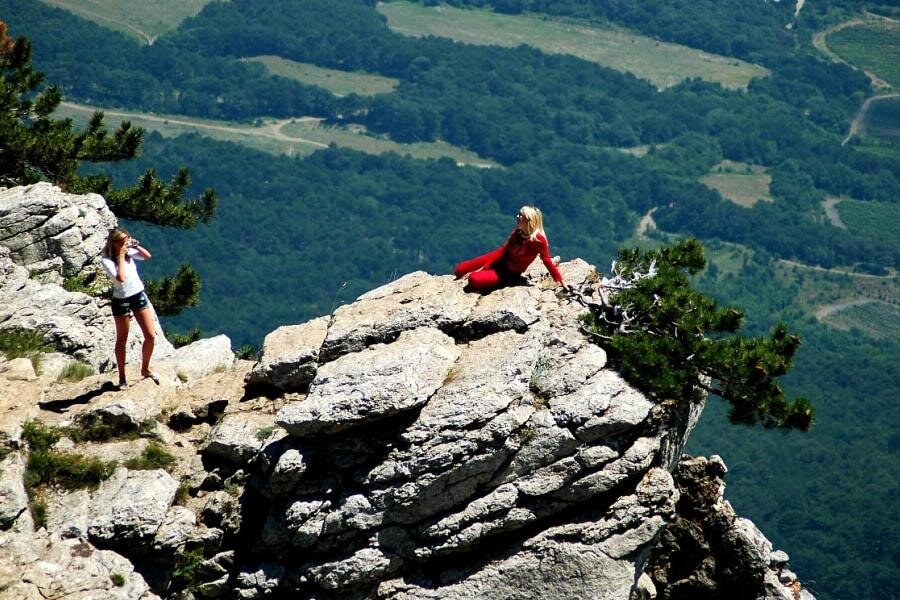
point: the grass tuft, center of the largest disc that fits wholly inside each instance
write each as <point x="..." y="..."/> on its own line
<point x="75" y="372"/>
<point x="154" y="456"/>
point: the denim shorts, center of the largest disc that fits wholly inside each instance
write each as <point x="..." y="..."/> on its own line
<point x="124" y="306"/>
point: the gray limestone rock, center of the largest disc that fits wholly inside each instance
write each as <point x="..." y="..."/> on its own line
<point x="40" y="220"/>
<point x="128" y="509"/>
<point x="36" y="566"/>
<point x="19" y="369"/>
<point x="377" y="383"/>
<point x="379" y="316"/>
<point x="289" y="356"/>
<point x="203" y="357"/>
<point x="238" y="437"/>
<point x="175" y="530"/>
<point x="13" y="499"/>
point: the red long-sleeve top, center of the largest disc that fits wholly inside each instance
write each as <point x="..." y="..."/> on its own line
<point x="517" y="253"/>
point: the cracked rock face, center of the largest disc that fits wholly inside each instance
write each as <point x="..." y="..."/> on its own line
<point x="709" y="552"/>
<point x="457" y="445"/>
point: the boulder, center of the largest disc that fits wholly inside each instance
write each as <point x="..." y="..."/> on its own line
<point x="238" y="437"/>
<point x="378" y="383"/>
<point x="19" y="369"/>
<point x="203" y="357"/>
<point x="129" y="508"/>
<point x="289" y="356"/>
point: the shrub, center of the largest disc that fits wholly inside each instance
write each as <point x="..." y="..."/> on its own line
<point x="179" y="339"/>
<point x="186" y="574"/>
<point x="117" y="579"/>
<point x="66" y="469"/>
<point x="154" y="456"/>
<point x="75" y="372"/>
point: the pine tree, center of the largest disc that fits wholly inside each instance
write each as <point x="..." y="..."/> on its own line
<point x="36" y="147"/>
<point x="673" y="342"/>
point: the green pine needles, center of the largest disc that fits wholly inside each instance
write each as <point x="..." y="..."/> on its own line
<point x="673" y="342"/>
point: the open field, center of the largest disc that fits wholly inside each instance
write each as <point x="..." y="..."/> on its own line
<point x="145" y="20"/>
<point x="877" y="319"/>
<point x="873" y="46"/>
<point x="661" y="63"/>
<point x="295" y="137"/>
<point x="878" y="220"/>
<point x="358" y="138"/>
<point x="339" y="83"/>
<point x="883" y="117"/>
<point x="742" y="183"/>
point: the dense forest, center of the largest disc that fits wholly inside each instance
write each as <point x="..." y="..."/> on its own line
<point x="295" y="237"/>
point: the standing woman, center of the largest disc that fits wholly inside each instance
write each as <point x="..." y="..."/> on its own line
<point x="128" y="296"/>
<point x="506" y="264"/>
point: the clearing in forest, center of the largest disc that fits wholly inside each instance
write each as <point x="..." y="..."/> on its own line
<point x="661" y="63"/>
<point x="875" y="220"/>
<point x="145" y="20"/>
<point x="294" y="137"/>
<point x="742" y="183"/>
<point x="339" y="83"/>
<point x="873" y="46"/>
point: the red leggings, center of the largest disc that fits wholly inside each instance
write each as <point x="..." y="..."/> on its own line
<point x="485" y="279"/>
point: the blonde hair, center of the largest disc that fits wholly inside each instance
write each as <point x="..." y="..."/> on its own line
<point x="534" y="221"/>
<point x="116" y="236"/>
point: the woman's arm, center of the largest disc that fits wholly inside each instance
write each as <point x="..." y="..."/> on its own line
<point x="544" y="251"/>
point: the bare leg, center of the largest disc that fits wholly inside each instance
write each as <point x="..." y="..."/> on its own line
<point x="148" y="328"/>
<point x="122" y="324"/>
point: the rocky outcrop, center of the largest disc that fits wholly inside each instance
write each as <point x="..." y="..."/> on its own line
<point x="449" y="445"/>
<point x="709" y="552"/>
<point x="51" y="232"/>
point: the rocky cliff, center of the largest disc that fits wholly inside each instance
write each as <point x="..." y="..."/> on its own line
<point x="421" y="442"/>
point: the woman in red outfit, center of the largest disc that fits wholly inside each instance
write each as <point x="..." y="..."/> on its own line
<point x="506" y="264"/>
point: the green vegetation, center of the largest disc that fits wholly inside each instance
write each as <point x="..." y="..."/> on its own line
<point x="678" y="344"/>
<point x="186" y="575"/>
<point x="741" y="183"/>
<point x="876" y="319"/>
<point x="179" y="339"/>
<point x="662" y="63"/>
<point x="246" y="352"/>
<point x="883" y="118"/>
<point x="263" y="433"/>
<point x="75" y="372"/>
<point x="117" y="579"/>
<point x="91" y="427"/>
<point x="339" y="83"/>
<point x="37" y="506"/>
<point x="873" y="46"/>
<point x="153" y="456"/>
<point x="143" y="20"/>
<point x="875" y="220"/>
<point x="16" y="342"/>
<point x="65" y="469"/>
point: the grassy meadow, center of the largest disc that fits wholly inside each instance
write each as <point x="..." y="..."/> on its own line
<point x="339" y="83"/>
<point x="295" y="137"/>
<point x="873" y="46"/>
<point x="144" y="20"/>
<point x="883" y="118"/>
<point x="878" y="220"/>
<point x="741" y="183"/>
<point x="661" y="63"/>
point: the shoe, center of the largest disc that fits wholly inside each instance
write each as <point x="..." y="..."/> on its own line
<point x="153" y="376"/>
<point x="122" y="385"/>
